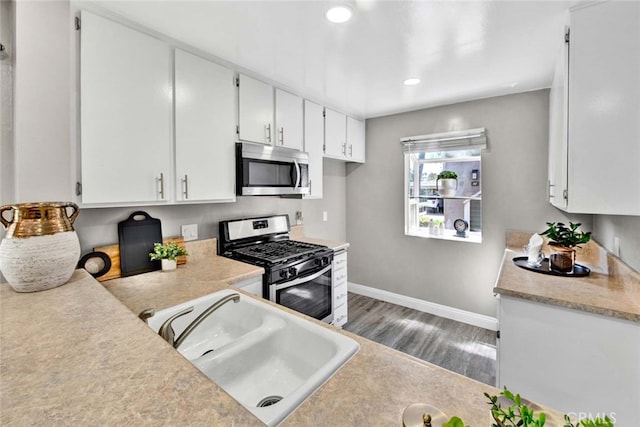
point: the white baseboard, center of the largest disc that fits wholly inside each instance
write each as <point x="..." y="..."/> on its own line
<point x="468" y="317"/>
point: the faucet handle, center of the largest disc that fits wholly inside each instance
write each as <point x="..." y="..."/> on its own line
<point x="166" y="330"/>
<point x="146" y="313"/>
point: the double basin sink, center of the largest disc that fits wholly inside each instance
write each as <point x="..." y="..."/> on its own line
<point x="267" y="359"/>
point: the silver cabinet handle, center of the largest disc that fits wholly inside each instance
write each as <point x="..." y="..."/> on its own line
<point x="267" y="128"/>
<point x="281" y="136"/>
<point x="161" y="179"/>
<point x="186" y="186"/>
<point x="351" y="150"/>
<point x="344" y="148"/>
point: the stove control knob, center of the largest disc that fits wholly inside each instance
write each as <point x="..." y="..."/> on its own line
<point x="284" y="274"/>
<point x="325" y="260"/>
<point x="317" y="261"/>
<point x="292" y="272"/>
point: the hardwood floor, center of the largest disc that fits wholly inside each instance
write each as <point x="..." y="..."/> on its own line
<point x="465" y="349"/>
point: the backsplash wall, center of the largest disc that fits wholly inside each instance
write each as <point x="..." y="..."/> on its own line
<point x="627" y="229"/>
<point x="99" y="227"/>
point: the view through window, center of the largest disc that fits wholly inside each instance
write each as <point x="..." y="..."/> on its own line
<point x="444" y="190"/>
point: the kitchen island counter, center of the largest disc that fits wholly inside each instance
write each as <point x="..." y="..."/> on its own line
<point x="95" y="362"/>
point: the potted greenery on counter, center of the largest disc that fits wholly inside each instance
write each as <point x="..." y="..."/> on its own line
<point x="516" y="413"/>
<point x="447" y="183"/>
<point x="563" y="240"/>
<point x="167" y="254"/>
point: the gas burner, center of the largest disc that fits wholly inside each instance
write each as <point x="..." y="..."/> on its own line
<point x="277" y="252"/>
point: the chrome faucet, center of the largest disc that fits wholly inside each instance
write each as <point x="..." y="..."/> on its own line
<point x="166" y="330"/>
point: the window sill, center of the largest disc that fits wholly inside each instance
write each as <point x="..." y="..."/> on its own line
<point x="472" y="236"/>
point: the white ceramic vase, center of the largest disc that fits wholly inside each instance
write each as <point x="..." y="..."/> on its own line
<point x="447" y="187"/>
<point x="40" y="249"/>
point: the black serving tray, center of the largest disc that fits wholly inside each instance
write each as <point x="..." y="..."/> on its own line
<point x="578" y="270"/>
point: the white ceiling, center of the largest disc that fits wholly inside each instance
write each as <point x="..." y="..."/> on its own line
<point x="460" y="50"/>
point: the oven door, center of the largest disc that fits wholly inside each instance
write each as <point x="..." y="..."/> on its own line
<point x="310" y="295"/>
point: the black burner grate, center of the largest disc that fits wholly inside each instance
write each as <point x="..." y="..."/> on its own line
<point x="274" y="252"/>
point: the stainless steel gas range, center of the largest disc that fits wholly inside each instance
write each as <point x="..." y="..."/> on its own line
<point x="297" y="275"/>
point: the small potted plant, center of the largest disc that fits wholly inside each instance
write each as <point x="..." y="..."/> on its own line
<point x="562" y="241"/>
<point x="447" y="183"/>
<point x="167" y="254"/>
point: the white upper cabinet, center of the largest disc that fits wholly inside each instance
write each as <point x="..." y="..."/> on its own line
<point x="558" y="107"/>
<point x="355" y="140"/>
<point x="255" y="114"/>
<point x="344" y="137"/>
<point x="205" y="130"/>
<point x="335" y="134"/>
<point x="603" y="136"/>
<point x="126" y="114"/>
<point x="289" y="118"/>
<point x="313" y="144"/>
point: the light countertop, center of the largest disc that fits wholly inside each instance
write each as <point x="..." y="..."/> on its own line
<point x="611" y="289"/>
<point x="78" y="355"/>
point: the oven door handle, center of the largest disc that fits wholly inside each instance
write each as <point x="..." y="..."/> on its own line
<point x="300" y="280"/>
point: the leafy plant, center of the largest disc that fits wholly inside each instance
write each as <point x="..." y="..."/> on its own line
<point x="445" y="174"/>
<point x="454" y="422"/>
<point x="516" y="414"/>
<point x="568" y="237"/>
<point x="169" y="251"/>
<point x="596" y="422"/>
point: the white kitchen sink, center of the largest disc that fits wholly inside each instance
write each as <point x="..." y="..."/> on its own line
<point x="269" y="360"/>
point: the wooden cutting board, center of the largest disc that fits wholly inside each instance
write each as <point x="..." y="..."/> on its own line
<point x="113" y="251"/>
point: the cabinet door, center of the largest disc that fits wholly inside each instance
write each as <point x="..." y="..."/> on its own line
<point x="255" y="114"/>
<point x="205" y="129"/>
<point x="288" y="120"/>
<point x="126" y="114"/>
<point x="313" y="141"/>
<point x="355" y="140"/>
<point x="557" y="184"/>
<point x="335" y="134"/>
<point x="604" y="109"/>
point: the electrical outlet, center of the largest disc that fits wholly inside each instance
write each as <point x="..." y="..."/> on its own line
<point x="325" y="216"/>
<point x="189" y="232"/>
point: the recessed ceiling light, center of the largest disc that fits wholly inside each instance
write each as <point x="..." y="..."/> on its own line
<point x="412" y="81"/>
<point x="339" y="14"/>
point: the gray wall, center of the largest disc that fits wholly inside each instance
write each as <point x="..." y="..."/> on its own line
<point x="333" y="202"/>
<point x="514" y="174"/>
<point x="627" y="229"/>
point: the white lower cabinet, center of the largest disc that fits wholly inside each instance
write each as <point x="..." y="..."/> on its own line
<point x="573" y="361"/>
<point x="252" y="285"/>
<point x="340" y="307"/>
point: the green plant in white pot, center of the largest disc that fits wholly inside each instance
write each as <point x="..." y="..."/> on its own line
<point x="447" y="183"/>
<point x="167" y="254"/>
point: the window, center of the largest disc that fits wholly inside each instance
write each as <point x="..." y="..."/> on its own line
<point x="435" y="208"/>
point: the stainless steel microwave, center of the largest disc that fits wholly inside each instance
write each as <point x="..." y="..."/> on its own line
<point x="264" y="170"/>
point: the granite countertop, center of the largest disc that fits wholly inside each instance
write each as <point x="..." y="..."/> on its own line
<point x="611" y="289"/>
<point x="95" y="362"/>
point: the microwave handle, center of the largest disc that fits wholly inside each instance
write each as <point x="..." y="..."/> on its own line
<point x="297" y="169"/>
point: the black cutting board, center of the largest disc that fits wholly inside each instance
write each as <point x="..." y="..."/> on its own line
<point x="136" y="236"/>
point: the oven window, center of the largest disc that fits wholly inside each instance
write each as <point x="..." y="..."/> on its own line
<point x="312" y="298"/>
<point x="269" y="174"/>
